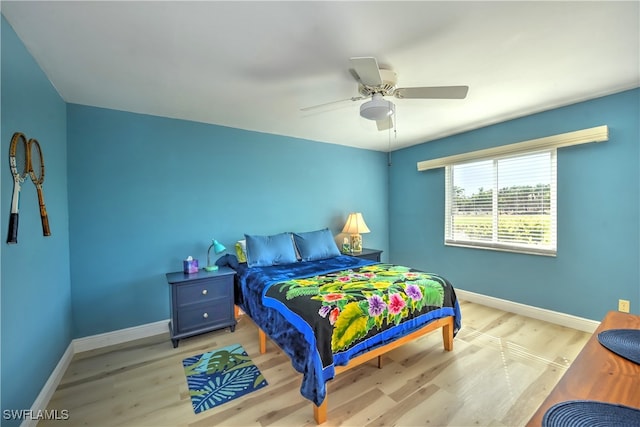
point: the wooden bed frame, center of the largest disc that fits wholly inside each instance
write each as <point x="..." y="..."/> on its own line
<point x="446" y="323"/>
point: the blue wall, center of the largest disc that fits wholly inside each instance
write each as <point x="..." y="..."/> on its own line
<point x="36" y="291"/>
<point x="145" y="192"/>
<point x="598" y="219"/>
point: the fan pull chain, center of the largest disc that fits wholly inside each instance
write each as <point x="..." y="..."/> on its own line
<point x="395" y="135"/>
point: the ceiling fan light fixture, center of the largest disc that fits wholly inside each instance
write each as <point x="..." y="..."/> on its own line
<point x="377" y="108"/>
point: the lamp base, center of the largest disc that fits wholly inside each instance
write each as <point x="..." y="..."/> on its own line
<point x="356" y="243"/>
<point x="211" y="268"/>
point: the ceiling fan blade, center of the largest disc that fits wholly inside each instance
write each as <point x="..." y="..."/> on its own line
<point x="436" y="92"/>
<point x="385" y="124"/>
<point x="326" y="104"/>
<point x="367" y="70"/>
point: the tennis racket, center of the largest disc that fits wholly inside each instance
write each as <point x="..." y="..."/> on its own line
<point x="19" y="164"/>
<point x="36" y="172"/>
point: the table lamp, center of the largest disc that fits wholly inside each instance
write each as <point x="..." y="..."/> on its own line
<point x="354" y="226"/>
<point x="217" y="248"/>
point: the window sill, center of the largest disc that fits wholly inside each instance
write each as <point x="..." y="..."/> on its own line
<point x="502" y="248"/>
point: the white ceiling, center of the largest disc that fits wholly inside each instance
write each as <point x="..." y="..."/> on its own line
<point x="254" y="65"/>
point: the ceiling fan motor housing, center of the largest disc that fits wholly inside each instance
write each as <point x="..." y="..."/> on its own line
<point x="388" y="86"/>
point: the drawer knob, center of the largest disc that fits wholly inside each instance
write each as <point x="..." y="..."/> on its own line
<point x="206" y="315"/>
<point x="204" y="292"/>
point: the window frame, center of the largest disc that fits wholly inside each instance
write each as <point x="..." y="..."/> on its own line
<point x="494" y="244"/>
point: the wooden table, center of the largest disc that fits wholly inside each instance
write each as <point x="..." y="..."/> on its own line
<point x="597" y="373"/>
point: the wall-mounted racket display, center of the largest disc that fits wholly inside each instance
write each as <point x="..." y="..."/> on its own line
<point x="25" y="158"/>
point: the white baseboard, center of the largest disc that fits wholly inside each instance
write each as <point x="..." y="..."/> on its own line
<point x="556" y="317"/>
<point x="117" y="337"/>
<point x="42" y="401"/>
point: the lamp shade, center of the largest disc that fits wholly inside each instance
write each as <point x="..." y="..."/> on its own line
<point x="355" y="224"/>
<point x="218" y="247"/>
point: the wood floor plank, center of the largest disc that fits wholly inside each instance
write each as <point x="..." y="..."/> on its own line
<point x="400" y="409"/>
<point x="501" y="368"/>
<point x="359" y="410"/>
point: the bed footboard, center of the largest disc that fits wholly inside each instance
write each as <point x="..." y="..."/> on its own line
<point x="446" y="323"/>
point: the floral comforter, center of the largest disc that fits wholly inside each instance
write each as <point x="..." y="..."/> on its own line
<point x="324" y="317"/>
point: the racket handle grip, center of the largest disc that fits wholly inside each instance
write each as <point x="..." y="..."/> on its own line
<point x="46" y="231"/>
<point x="12" y="237"/>
<point x="43" y="212"/>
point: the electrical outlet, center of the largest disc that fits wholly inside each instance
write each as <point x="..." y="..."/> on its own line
<point x="623" y="305"/>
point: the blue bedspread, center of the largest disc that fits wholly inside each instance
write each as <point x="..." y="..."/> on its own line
<point x="323" y="313"/>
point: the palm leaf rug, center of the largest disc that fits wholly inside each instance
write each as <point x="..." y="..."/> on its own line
<point x="219" y="376"/>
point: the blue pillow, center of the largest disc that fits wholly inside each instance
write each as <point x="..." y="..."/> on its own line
<point x="316" y="245"/>
<point x="263" y="251"/>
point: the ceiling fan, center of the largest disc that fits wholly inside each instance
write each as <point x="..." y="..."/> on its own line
<point x="376" y="83"/>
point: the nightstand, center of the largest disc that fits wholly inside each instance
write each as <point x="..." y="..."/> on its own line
<point x="372" y="254"/>
<point x="200" y="302"/>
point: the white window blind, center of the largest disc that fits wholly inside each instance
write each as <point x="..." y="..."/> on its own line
<point x="503" y="203"/>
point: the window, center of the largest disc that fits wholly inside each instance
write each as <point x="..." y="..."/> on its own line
<point x="503" y="203"/>
<point x="504" y="197"/>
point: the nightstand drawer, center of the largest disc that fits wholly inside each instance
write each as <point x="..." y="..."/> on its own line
<point x="202" y="291"/>
<point x="199" y="316"/>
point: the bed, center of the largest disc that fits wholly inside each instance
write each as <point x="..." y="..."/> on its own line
<point x="330" y="312"/>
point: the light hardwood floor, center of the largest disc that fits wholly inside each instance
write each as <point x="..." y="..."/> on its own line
<point x="501" y="368"/>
